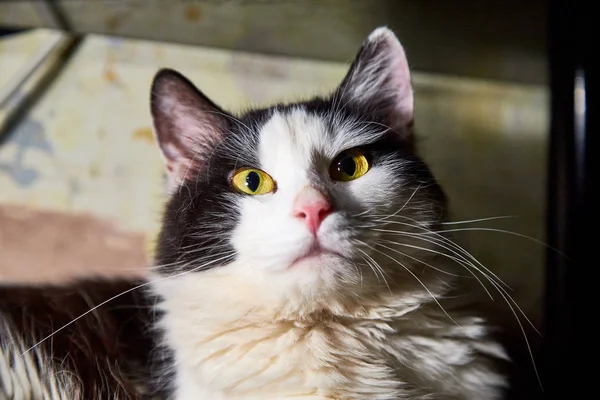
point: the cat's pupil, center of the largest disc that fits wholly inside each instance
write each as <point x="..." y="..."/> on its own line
<point x="252" y="181"/>
<point x="347" y="166"/>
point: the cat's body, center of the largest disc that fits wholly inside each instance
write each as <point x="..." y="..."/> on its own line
<point x="300" y="255"/>
<point x="382" y="346"/>
<point x="114" y="352"/>
<point x="106" y="354"/>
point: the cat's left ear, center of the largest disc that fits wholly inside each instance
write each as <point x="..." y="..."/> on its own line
<point x="379" y="82"/>
<point x="187" y="125"/>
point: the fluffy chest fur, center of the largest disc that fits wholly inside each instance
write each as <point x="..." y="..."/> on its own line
<point x="385" y="347"/>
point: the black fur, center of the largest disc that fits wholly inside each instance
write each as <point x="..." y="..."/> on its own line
<point x="110" y="350"/>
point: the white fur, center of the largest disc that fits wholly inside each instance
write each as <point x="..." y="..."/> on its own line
<point x="32" y="375"/>
<point x="329" y="327"/>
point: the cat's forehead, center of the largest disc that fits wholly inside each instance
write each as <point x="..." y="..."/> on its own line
<point x="300" y="137"/>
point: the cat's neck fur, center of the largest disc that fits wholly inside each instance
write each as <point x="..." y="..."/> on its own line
<point x="247" y="341"/>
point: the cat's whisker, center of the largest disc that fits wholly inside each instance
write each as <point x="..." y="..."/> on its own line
<point x="429" y="233"/>
<point x="209" y="247"/>
<point x="359" y="271"/>
<point x="121" y="294"/>
<point x="540" y="242"/>
<point x="514" y="302"/>
<point x="472" y="221"/>
<point x="499" y="281"/>
<point x="383" y="217"/>
<point x="361" y="214"/>
<point x="375" y="267"/>
<point x="488" y="274"/>
<point x="418" y="280"/>
<point x="384" y="275"/>
<point x="503" y="293"/>
<point x="457" y="250"/>
<point x="437" y="232"/>
<point x="151" y="267"/>
<point x="379" y="243"/>
<point x="195" y="245"/>
<point x="460" y="260"/>
<point x="371" y="267"/>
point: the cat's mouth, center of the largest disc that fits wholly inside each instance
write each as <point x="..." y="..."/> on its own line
<point x="315" y="252"/>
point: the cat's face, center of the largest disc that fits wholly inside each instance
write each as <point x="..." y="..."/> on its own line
<point x="296" y="197"/>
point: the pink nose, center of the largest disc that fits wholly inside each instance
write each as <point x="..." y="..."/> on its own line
<point x="312" y="207"/>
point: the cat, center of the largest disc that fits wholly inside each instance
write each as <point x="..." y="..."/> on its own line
<point x="299" y="258"/>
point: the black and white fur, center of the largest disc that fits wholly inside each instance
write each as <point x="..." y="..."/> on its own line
<point x="366" y="320"/>
<point x="378" y="315"/>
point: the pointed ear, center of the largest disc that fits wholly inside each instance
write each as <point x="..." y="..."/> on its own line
<point x="187" y="125"/>
<point x="379" y="81"/>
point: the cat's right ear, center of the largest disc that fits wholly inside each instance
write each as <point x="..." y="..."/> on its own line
<point x="187" y="125"/>
<point x="379" y="82"/>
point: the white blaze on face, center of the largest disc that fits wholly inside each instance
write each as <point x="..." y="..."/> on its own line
<point x="296" y="149"/>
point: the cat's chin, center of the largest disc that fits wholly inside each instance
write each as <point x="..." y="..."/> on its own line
<point x="314" y="257"/>
<point x="313" y="260"/>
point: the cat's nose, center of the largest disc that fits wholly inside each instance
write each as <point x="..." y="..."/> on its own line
<point x="311" y="206"/>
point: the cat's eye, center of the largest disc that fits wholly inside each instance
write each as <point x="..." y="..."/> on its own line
<point x="252" y="181"/>
<point x="349" y="165"/>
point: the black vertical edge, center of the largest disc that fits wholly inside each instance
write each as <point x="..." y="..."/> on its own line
<point x="567" y="358"/>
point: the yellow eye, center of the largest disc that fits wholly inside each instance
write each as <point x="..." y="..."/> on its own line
<point x="252" y="181"/>
<point x="349" y="165"/>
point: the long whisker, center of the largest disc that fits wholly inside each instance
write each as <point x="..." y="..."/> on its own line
<point x="151" y="267"/>
<point x="121" y="294"/>
<point x="428" y="232"/>
<point x="481" y="272"/>
<point x="503" y="292"/>
<point x="441" y="239"/>
<point x="359" y="272"/>
<point x="379" y="243"/>
<point x="459" y="260"/>
<point x="446" y="239"/>
<point x="499" y="281"/>
<point x="375" y="267"/>
<point x="540" y="242"/>
<point x="488" y="275"/>
<point x="471" y="221"/>
<point x="418" y="280"/>
<point x="384" y="217"/>
<point x="361" y="214"/>
<point x="510" y="233"/>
